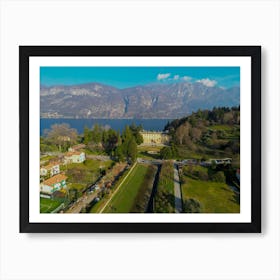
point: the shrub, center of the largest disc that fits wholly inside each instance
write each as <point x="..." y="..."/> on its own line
<point x="164" y="198"/>
<point x="219" y="177"/>
<point x="192" y="206"/>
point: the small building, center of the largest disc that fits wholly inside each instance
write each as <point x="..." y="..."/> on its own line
<point x="53" y="184"/>
<point x="74" y="157"/>
<point x="221" y="161"/>
<point x="50" y="170"/>
<point x="76" y="147"/>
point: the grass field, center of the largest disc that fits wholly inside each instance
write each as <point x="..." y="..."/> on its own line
<point x="81" y="174"/>
<point x="213" y="197"/>
<point x="144" y="152"/>
<point x="48" y="205"/>
<point x="123" y="200"/>
<point x="101" y="203"/>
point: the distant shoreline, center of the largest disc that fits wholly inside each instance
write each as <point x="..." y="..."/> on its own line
<point x="117" y="124"/>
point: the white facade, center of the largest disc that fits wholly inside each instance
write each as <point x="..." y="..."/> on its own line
<point x="74" y="157"/>
<point x="50" y="169"/>
<point x="53" y="184"/>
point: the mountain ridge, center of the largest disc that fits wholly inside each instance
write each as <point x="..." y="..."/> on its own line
<point x="157" y="101"/>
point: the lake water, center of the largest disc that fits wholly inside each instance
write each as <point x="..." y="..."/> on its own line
<point x="116" y="124"/>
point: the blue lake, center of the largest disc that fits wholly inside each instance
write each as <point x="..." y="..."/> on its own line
<point x="116" y="124"/>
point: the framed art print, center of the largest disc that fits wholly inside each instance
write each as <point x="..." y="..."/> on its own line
<point x="140" y="138"/>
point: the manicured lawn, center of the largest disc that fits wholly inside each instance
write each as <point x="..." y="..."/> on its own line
<point x="213" y="197"/>
<point x="184" y="153"/>
<point x="149" y="148"/>
<point x="146" y="152"/>
<point x="48" y="205"/>
<point x="123" y="200"/>
<point x="101" y="203"/>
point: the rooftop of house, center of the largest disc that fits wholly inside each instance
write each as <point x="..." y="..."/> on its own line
<point x="54" y="180"/>
<point x="50" y="165"/>
<point x="69" y="154"/>
<point x="78" y="146"/>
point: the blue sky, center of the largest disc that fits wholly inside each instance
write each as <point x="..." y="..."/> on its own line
<point x="122" y="77"/>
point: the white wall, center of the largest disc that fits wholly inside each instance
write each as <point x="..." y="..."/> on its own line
<point x="136" y="256"/>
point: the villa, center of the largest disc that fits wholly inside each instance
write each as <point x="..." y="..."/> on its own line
<point x="53" y="184"/>
<point x="155" y="138"/>
<point x="50" y="170"/>
<point x="74" y="157"/>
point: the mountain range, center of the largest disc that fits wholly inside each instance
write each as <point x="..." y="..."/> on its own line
<point x="152" y="101"/>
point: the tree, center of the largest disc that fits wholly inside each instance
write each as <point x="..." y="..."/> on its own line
<point x="96" y="134"/>
<point x="87" y="135"/>
<point x="73" y="194"/>
<point x="119" y="153"/>
<point x="192" y="206"/>
<point x="166" y="153"/>
<point x="195" y="134"/>
<point x="110" y="140"/>
<point x="219" y="177"/>
<point x="127" y="134"/>
<point x="132" y="149"/>
<point x="62" y="135"/>
<point x="136" y="133"/>
<point x="182" y="133"/>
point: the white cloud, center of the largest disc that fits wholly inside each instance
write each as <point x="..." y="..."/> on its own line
<point x="207" y="82"/>
<point x="186" y="78"/>
<point x="176" y="77"/>
<point x="163" y="76"/>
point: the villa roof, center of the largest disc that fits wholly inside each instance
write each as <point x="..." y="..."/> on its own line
<point x="78" y="146"/>
<point x="54" y="180"/>
<point x="69" y="154"/>
<point x="50" y="165"/>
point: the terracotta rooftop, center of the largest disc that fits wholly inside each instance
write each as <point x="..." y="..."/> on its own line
<point x="55" y="179"/>
<point x="69" y="154"/>
<point x="79" y="146"/>
<point x="49" y="166"/>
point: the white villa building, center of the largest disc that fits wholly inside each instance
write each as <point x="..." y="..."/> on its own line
<point x="50" y="170"/>
<point x="74" y="157"/>
<point x="155" y="138"/>
<point x="53" y="184"/>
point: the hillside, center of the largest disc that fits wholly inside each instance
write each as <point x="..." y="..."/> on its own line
<point x="157" y="101"/>
<point x="208" y="133"/>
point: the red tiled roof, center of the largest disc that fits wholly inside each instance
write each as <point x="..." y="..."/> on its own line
<point x="54" y="180"/>
<point x="49" y="166"/>
<point x="79" y="146"/>
<point x="69" y="154"/>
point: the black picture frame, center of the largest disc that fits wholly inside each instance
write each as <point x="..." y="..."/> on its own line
<point x="254" y="52"/>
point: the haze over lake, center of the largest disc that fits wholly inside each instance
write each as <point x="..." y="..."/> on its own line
<point x="116" y="124"/>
